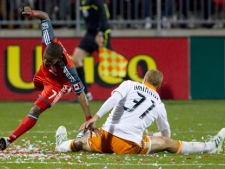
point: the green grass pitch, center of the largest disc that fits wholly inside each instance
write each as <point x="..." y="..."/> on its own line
<point x="190" y="120"/>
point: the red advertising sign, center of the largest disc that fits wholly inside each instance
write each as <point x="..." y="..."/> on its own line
<point x="21" y="58"/>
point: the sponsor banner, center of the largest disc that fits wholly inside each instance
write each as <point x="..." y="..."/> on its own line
<point x="21" y="58"/>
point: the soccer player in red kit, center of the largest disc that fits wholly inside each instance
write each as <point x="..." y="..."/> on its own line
<point x="55" y="78"/>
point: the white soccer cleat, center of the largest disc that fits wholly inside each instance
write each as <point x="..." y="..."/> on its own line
<point x="80" y="135"/>
<point x="218" y="141"/>
<point x="4" y="143"/>
<point x="61" y="136"/>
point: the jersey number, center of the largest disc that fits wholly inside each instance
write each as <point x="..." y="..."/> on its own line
<point x="137" y="103"/>
<point x="148" y="110"/>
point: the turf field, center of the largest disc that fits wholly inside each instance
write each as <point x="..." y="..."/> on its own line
<point x="190" y="121"/>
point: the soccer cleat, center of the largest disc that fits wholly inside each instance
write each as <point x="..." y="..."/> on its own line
<point x="80" y="135"/>
<point x="218" y="141"/>
<point x="61" y="136"/>
<point x="4" y="143"/>
<point x="89" y="96"/>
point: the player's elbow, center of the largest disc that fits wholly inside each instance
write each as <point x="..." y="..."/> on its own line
<point x="166" y="133"/>
<point x="43" y="15"/>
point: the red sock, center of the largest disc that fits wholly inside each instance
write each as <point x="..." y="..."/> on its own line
<point x="26" y="124"/>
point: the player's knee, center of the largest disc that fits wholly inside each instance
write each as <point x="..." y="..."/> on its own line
<point x="77" y="145"/>
<point x="35" y="110"/>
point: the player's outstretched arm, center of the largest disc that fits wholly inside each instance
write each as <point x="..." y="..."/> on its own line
<point x="35" y="13"/>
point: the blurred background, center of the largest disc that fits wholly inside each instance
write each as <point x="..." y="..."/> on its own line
<point x="182" y="38"/>
<point x="123" y="14"/>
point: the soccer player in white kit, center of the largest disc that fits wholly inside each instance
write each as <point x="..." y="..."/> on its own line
<point x="135" y="107"/>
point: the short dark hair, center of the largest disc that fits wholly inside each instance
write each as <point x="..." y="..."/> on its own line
<point x="54" y="50"/>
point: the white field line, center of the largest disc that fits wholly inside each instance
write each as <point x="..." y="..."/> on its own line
<point x="114" y="164"/>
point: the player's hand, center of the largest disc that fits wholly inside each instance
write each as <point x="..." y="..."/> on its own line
<point x="94" y="129"/>
<point x="99" y="39"/>
<point x="90" y="125"/>
<point x="148" y="133"/>
<point x="27" y="11"/>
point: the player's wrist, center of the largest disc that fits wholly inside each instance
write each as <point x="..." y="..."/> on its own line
<point x="88" y="117"/>
<point x="32" y="14"/>
<point x="39" y="14"/>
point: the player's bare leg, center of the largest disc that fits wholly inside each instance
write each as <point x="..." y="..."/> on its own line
<point x="161" y="143"/>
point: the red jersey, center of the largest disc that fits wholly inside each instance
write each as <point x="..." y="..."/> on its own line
<point x="63" y="72"/>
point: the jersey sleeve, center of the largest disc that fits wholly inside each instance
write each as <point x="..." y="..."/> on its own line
<point x="69" y="71"/>
<point x="124" y="88"/>
<point x="47" y="31"/>
<point x="162" y="121"/>
<point x="71" y="75"/>
<point x="73" y="78"/>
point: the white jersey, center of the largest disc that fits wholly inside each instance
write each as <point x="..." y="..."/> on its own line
<point x="139" y="107"/>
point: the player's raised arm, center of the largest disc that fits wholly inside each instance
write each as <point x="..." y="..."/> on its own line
<point x="46" y="26"/>
<point x="35" y="13"/>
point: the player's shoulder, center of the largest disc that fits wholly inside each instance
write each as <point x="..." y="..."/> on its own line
<point x="129" y="83"/>
<point x="161" y="105"/>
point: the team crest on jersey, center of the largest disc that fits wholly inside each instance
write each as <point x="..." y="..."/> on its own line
<point x="53" y="70"/>
<point x="45" y="25"/>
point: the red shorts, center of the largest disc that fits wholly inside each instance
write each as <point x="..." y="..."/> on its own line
<point x="51" y="92"/>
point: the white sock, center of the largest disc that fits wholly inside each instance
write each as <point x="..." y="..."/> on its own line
<point x="65" y="146"/>
<point x="196" y="147"/>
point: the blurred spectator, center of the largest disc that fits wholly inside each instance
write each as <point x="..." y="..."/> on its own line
<point x="46" y="6"/>
<point x="14" y="10"/>
<point x="148" y="14"/>
<point x="124" y="13"/>
<point x="2" y="10"/>
<point x="167" y="13"/>
<point x="114" y="8"/>
<point x="219" y="3"/>
<point x="202" y="6"/>
<point x="135" y="12"/>
<point x="150" y="8"/>
<point x="73" y="9"/>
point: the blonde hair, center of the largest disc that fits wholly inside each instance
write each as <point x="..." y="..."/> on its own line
<point x="154" y="77"/>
